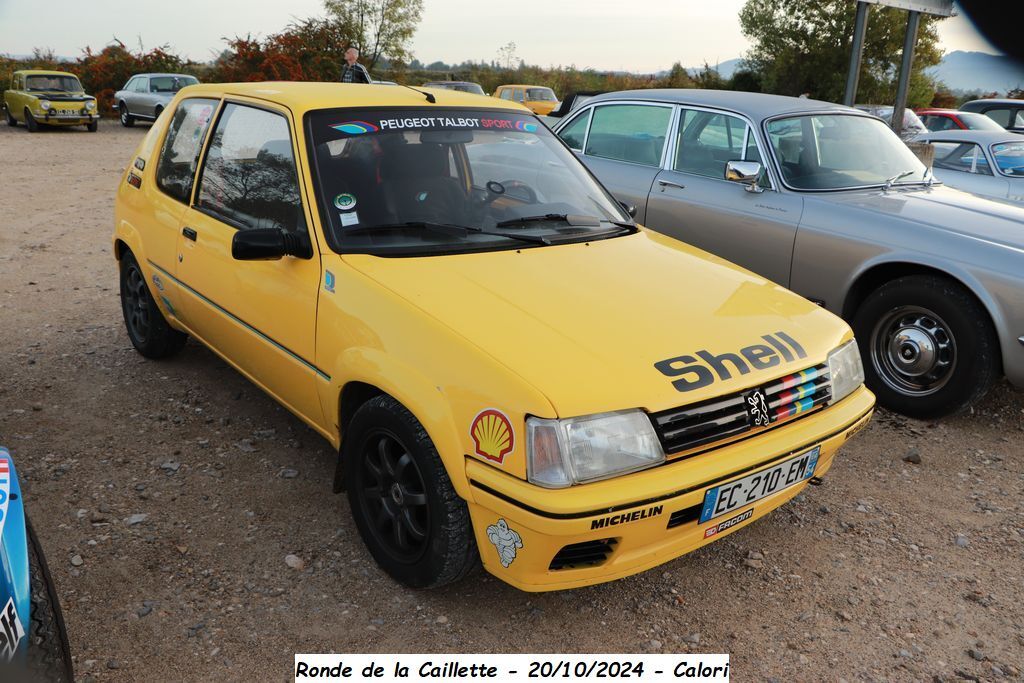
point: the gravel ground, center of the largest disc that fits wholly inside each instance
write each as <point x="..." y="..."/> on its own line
<point x="169" y="495"/>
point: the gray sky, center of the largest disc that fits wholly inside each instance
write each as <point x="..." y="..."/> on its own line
<point x="635" y="35"/>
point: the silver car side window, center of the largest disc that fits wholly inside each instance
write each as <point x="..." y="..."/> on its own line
<point x="966" y="157"/>
<point x="575" y="133"/>
<point x="629" y="132"/>
<point x="707" y="140"/>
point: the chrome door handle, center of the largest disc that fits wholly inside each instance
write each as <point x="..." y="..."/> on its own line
<point x="669" y="183"/>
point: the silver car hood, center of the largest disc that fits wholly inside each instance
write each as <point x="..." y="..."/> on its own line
<point x="939" y="207"/>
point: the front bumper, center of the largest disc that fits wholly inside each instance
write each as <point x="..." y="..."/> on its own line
<point x="642" y="504"/>
<point x="77" y="119"/>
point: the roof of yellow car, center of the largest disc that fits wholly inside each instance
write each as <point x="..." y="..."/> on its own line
<point x="300" y="96"/>
<point x="43" y="72"/>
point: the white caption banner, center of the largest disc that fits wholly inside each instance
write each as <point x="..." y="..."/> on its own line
<point x="396" y="668"/>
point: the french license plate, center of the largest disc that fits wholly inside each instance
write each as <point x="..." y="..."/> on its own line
<point x="723" y="499"/>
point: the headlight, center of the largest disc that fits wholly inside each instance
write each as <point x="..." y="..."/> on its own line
<point x="91" y="104"/>
<point x="845" y="369"/>
<point x="561" y="453"/>
<point x="44" y="104"/>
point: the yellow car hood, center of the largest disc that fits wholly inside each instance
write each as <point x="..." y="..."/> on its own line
<point x="586" y="323"/>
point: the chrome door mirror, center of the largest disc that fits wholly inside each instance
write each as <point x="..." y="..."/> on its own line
<point x="746" y="172"/>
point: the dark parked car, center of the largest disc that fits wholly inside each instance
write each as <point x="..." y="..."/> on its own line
<point x="1007" y="113"/>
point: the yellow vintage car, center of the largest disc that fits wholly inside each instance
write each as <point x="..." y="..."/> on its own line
<point x="53" y="98"/>
<point x="511" y="369"/>
<point x="539" y="99"/>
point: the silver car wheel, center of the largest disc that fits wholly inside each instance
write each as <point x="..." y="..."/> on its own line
<point x="913" y="351"/>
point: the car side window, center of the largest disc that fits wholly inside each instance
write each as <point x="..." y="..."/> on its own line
<point x="576" y="131"/>
<point x="130" y="85"/>
<point x="629" y="132"/>
<point x="248" y="179"/>
<point x="1000" y="116"/>
<point x="176" y="170"/>
<point x="707" y="140"/>
<point x="938" y="123"/>
<point x="518" y="96"/>
<point x="506" y="94"/>
<point x="966" y="157"/>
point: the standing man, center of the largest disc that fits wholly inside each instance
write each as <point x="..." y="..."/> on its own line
<point x="352" y="71"/>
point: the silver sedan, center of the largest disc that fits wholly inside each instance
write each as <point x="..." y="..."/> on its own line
<point x="827" y="201"/>
<point x="144" y="96"/>
<point x="980" y="161"/>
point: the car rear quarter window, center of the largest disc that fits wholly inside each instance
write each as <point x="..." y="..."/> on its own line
<point x="629" y="132"/>
<point x="576" y="131"/>
<point x="936" y="123"/>
<point x="248" y="178"/>
<point x="1003" y="116"/>
<point x="176" y="170"/>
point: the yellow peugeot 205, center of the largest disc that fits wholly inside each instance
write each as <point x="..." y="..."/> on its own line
<point x="511" y="369"/>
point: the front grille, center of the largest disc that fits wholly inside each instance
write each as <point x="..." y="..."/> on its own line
<point x="685" y="516"/>
<point x="690" y="427"/>
<point x="586" y="554"/>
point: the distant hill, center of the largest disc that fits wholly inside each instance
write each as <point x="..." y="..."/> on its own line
<point x="725" y="69"/>
<point x="979" y="71"/>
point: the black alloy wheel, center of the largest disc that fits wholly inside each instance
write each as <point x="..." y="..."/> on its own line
<point x="393" y="497"/>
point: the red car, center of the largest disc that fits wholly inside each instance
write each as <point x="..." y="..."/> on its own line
<point x="938" y="120"/>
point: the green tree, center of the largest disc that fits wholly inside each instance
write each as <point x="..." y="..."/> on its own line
<point x="379" y="28"/>
<point x="803" y="46"/>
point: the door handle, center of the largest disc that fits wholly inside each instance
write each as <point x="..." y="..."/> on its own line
<point x="669" y="183"/>
<point x="189" y="233"/>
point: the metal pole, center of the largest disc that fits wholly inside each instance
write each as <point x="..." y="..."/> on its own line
<point x="913" y="21"/>
<point x="856" y="53"/>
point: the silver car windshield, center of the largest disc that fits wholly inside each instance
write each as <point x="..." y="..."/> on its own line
<point x="421" y="181"/>
<point x="840" y="151"/>
<point x="1009" y="158"/>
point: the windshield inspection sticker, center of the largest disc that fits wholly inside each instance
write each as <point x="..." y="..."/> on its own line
<point x="348" y="218"/>
<point x="345" y="201"/>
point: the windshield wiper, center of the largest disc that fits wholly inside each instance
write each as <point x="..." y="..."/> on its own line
<point x="590" y="221"/>
<point x="891" y="181"/>
<point x="446" y="227"/>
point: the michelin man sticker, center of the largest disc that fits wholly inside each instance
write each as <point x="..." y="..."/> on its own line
<point x="505" y="540"/>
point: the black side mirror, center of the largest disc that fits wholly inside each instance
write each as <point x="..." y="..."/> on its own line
<point x="629" y="208"/>
<point x="268" y="244"/>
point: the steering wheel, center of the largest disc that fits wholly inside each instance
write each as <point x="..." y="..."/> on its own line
<point x="517" y="189"/>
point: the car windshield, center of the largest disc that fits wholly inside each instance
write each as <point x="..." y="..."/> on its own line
<point x="170" y="83"/>
<point x="1009" y="157"/>
<point x="975" y="121"/>
<point x="467" y="87"/>
<point x="840" y="151"/>
<point x="541" y="95"/>
<point x="420" y="181"/>
<point x="53" y="83"/>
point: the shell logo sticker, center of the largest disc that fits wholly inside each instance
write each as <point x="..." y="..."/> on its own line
<point x="493" y="435"/>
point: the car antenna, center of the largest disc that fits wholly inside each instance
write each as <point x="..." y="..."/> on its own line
<point x="430" y="96"/>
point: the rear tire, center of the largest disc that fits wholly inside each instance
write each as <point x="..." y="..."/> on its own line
<point x="30" y="122"/>
<point x="148" y="330"/>
<point x="928" y="346"/>
<point x="49" y="654"/>
<point x="127" y="120"/>
<point x="404" y="505"/>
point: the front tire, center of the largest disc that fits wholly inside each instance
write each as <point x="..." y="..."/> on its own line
<point x="30" y="122"/>
<point x="49" y="654"/>
<point x="148" y="330"/>
<point x="11" y="121"/>
<point x="928" y="346"/>
<point x="127" y="120"/>
<point x="92" y="126"/>
<point x="405" y="507"/>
